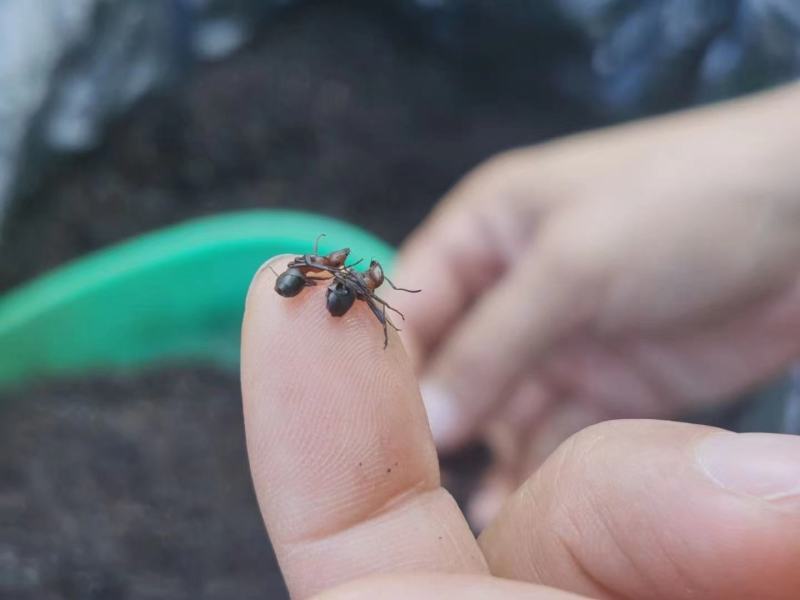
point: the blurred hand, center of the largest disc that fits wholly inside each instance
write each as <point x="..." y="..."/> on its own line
<point x="637" y="271"/>
<point x="347" y="478"/>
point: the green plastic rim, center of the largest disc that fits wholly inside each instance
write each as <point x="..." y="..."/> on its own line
<point x="174" y="295"/>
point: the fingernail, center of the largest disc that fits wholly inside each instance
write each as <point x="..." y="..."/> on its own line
<point x="762" y="465"/>
<point x="488" y="499"/>
<point x="484" y="506"/>
<point x="442" y="412"/>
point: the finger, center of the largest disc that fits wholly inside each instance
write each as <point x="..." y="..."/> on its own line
<point x="538" y="303"/>
<point x="527" y="404"/>
<point x="460" y="250"/>
<point x="653" y="509"/>
<point x="437" y="587"/>
<point x="343" y="464"/>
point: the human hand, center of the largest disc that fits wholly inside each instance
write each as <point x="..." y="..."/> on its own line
<point x="634" y="272"/>
<point x="347" y="479"/>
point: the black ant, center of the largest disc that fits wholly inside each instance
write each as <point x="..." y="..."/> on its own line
<point x="347" y="285"/>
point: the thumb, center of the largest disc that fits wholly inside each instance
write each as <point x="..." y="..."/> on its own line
<point x="655" y="509"/>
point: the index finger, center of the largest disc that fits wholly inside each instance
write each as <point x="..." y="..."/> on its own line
<point x="466" y="245"/>
<point x="342" y="459"/>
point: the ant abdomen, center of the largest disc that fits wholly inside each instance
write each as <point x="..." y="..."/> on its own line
<point x="339" y="298"/>
<point x="290" y="283"/>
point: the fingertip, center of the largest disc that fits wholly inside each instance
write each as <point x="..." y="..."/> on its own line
<point x="264" y="278"/>
<point x="411" y="343"/>
<point x="273" y="264"/>
<point x="688" y="510"/>
<point x="302" y="325"/>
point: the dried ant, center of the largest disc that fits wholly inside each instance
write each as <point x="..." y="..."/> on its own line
<point x="298" y="273"/>
<point x="346" y="285"/>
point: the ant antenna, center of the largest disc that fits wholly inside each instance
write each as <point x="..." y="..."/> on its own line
<point x="316" y="243"/>
<point x="399" y="289"/>
<point x="351" y="265"/>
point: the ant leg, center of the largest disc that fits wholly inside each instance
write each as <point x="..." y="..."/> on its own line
<point x="311" y="280"/>
<point x="385" y="331"/>
<point x="316" y="243"/>
<point x="381" y="316"/>
<point x="399" y="289"/>
<point x="389" y="306"/>
<point x="389" y="321"/>
<point x="297" y="264"/>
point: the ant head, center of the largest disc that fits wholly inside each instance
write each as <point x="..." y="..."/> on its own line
<point x="338" y="257"/>
<point x="374" y="274"/>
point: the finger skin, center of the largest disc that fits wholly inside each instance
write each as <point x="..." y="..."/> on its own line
<point x="341" y="454"/>
<point x="451" y="262"/>
<point x="438" y="587"/>
<point x="509" y="329"/>
<point x="624" y="509"/>
<point x="463" y="248"/>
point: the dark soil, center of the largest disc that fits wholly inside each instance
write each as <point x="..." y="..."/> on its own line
<point x="131" y="488"/>
<point x="137" y="487"/>
<point x="336" y="109"/>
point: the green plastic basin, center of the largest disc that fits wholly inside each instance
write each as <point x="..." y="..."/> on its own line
<point x="173" y="295"/>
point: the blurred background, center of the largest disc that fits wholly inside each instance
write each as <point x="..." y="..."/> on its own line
<point x="122" y="465"/>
